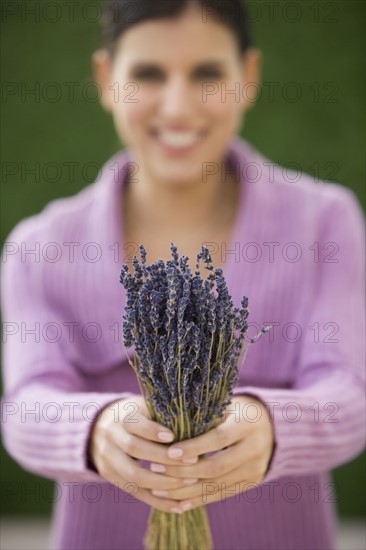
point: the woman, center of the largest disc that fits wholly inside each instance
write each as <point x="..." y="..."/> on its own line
<point x="167" y="73"/>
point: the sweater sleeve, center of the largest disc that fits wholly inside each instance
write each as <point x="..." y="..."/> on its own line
<point x="47" y="415"/>
<point x="319" y="423"/>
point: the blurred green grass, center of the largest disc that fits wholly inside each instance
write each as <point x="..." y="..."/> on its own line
<point x="322" y="135"/>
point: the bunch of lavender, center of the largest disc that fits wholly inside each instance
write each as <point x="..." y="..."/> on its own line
<point x="188" y="338"/>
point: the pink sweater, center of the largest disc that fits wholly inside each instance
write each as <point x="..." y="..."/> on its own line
<point x="297" y="252"/>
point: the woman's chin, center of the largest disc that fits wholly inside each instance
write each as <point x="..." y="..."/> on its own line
<point x="177" y="178"/>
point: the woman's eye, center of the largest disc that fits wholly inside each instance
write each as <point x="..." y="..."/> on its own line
<point x="148" y="74"/>
<point x="209" y="74"/>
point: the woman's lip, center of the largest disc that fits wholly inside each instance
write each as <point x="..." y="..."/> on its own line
<point x="177" y="129"/>
<point x="171" y="150"/>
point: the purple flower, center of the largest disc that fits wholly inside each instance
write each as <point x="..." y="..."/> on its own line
<point x="187" y="335"/>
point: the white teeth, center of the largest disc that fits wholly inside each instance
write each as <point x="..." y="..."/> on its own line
<point x="178" y="139"/>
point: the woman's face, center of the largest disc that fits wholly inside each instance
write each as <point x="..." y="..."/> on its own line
<point x="176" y="91"/>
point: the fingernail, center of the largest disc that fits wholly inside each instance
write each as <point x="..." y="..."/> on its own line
<point x="157" y="468"/>
<point x="190" y="460"/>
<point x="187" y="506"/>
<point x="165" y="436"/>
<point x="176" y="510"/>
<point x="159" y="493"/>
<point x="190" y="480"/>
<point x="175" y="452"/>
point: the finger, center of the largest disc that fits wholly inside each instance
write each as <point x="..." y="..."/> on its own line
<point x="179" y="469"/>
<point x="139" y="447"/>
<point x="164" y="505"/>
<point x="244" y="451"/>
<point x="136" y="446"/>
<point x="213" y="491"/>
<point x="134" y="416"/>
<point x="223" y="435"/>
<point x="233" y="485"/>
<point x="132" y="472"/>
<point x="251" y="475"/>
<point x="149" y="429"/>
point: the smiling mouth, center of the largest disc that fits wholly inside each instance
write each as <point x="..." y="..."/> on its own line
<point x="174" y="140"/>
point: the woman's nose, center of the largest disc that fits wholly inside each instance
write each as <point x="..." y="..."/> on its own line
<point x="177" y="99"/>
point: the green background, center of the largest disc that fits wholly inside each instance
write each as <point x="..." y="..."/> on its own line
<point x="322" y="132"/>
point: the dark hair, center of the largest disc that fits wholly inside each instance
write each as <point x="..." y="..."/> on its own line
<point x="120" y="15"/>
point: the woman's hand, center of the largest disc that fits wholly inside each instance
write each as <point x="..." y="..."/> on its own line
<point x="124" y="432"/>
<point x="247" y="432"/>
